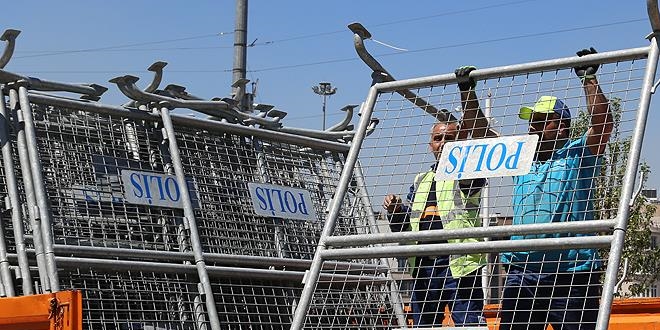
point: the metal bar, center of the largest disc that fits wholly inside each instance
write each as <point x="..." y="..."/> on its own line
<point x="619" y="234"/>
<point x="360" y="33"/>
<point x="510" y="70"/>
<point x="467" y="248"/>
<point x="210" y="125"/>
<point x="214" y="271"/>
<point x="39" y="187"/>
<point x="10" y="37"/>
<point x="331" y="219"/>
<point x="654" y="17"/>
<point x="397" y="304"/>
<point x="28" y="186"/>
<point x="90" y="90"/>
<point x="190" y="218"/>
<point x="216" y="258"/>
<point x="14" y="199"/>
<point x="5" y="272"/>
<point x="591" y="226"/>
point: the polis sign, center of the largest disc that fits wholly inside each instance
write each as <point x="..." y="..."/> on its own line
<point x="485" y="158"/>
<point x="281" y="202"/>
<point x="149" y="188"/>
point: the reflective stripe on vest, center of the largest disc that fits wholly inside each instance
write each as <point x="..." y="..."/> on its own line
<point x="455" y="210"/>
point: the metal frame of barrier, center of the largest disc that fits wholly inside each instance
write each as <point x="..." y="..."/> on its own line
<point x="207" y="261"/>
<point x="334" y="246"/>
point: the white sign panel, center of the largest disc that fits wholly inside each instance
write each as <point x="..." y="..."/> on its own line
<point x="485" y="158"/>
<point x="281" y="202"/>
<point x="149" y="188"/>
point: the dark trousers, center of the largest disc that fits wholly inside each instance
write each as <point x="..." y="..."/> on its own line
<point x="568" y="301"/>
<point x="434" y="288"/>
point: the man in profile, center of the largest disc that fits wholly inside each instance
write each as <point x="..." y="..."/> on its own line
<point x="445" y="280"/>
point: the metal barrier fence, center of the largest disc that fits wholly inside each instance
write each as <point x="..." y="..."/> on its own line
<point x="570" y="246"/>
<point x="166" y="221"/>
<point x="171" y="222"/>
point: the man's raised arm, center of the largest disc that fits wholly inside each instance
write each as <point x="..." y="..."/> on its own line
<point x="473" y="122"/>
<point x="598" y="106"/>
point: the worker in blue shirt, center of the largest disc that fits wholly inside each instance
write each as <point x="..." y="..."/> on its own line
<point x="558" y="287"/>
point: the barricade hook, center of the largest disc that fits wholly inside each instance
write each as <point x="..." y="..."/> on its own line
<point x="10" y="37"/>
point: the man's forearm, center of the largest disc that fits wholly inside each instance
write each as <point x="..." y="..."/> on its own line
<point x="473" y="122"/>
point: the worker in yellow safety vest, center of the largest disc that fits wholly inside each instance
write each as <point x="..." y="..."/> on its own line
<point x="445" y="280"/>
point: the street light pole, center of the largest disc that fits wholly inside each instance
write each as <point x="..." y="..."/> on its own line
<point x="324" y="89"/>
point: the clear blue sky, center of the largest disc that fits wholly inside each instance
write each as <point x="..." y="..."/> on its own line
<point x="299" y="43"/>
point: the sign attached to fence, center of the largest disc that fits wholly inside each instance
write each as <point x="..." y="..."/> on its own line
<point x="281" y="202"/>
<point x="486" y="158"/>
<point x="156" y="189"/>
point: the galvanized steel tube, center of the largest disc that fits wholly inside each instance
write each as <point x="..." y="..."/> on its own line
<point x="420" y="250"/>
<point x="210" y="125"/>
<point x="627" y="188"/>
<point x="511" y="70"/>
<point x="590" y="226"/>
<point x="5" y="272"/>
<point x="39" y="188"/>
<point x="190" y="217"/>
<point x="14" y="199"/>
<point x="28" y="186"/>
<point x="331" y="219"/>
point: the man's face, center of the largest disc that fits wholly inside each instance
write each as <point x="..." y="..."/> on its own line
<point x="441" y="134"/>
<point x="547" y="126"/>
<point x="552" y="131"/>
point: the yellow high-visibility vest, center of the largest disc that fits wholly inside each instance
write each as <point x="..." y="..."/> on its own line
<point x="456" y="210"/>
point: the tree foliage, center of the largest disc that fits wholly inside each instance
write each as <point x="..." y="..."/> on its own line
<point x="643" y="261"/>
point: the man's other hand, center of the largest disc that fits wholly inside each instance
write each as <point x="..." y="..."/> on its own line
<point x="465" y="83"/>
<point x="392" y="204"/>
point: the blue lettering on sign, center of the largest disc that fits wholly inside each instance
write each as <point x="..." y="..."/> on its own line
<point x="512" y="162"/>
<point x="484" y="158"/>
<point x="489" y="160"/>
<point x="147" y="188"/>
<point x="169" y="183"/>
<point x="137" y="192"/>
<point x="281" y="202"/>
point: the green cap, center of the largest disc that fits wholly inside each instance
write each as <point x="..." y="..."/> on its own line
<point x="546" y="104"/>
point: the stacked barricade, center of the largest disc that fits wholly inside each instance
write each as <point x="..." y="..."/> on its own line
<point x="395" y="158"/>
<point x="165" y="221"/>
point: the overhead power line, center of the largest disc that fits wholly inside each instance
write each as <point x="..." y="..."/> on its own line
<point x="120" y="47"/>
<point x="330" y="61"/>
<point x="414" y="19"/>
<point x="383" y="55"/>
<point x="455" y="45"/>
<point x="127" y="47"/>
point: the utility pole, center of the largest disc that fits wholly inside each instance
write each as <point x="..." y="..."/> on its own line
<point x="324" y="89"/>
<point x="240" y="53"/>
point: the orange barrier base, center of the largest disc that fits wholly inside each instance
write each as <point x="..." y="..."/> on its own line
<point x="63" y="311"/>
<point x="51" y="311"/>
<point x="627" y="314"/>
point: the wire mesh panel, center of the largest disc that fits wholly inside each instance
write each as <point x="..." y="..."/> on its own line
<point x="262" y="304"/>
<point x="355" y="298"/>
<point x="548" y="180"/>
<point x="120" y="233"/>
<point x="138" y="299"/>
<point x="223" y="164"/>
<point x="83" y="155"/>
